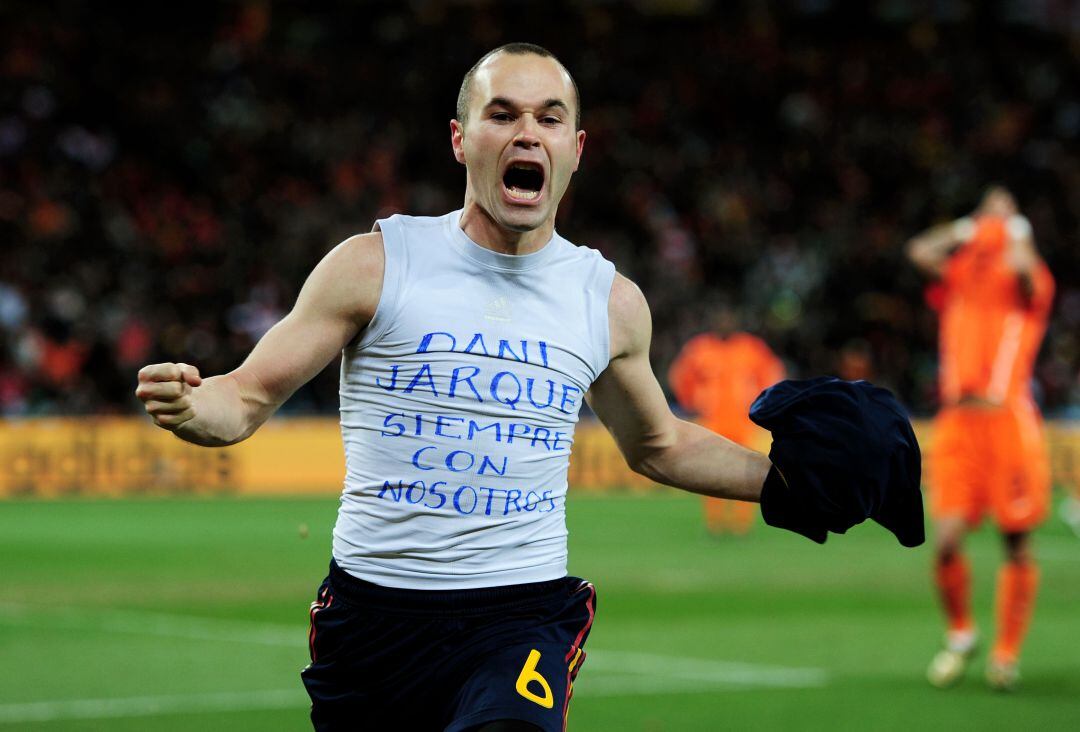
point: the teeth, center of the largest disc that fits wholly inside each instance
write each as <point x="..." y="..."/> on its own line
<point x="522" y="195"/>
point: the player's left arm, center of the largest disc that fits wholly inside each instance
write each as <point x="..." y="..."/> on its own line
<point x="1022" y="255"/>
<point x="629" y="401"/>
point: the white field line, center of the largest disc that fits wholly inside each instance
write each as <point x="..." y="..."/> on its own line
<point x="151" y="623"/>
<point x="608" y="673"/>
<point x="648" y="666"/>
<point x="629" y="683"/>
<point x="589" y="687"/>
<point x="149" y="706"/>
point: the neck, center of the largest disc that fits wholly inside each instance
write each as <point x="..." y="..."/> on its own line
<point x="479" y="226"/>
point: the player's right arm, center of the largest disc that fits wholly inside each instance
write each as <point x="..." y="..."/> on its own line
<point x="831" y="471"/>
<point x="336" y="302"/>
<point x="931" y="249"/>
<point x="629" y="401"/>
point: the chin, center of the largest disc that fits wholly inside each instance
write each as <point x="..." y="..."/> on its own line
<point x="520" y="228"/>
<point x="522" y="221"/>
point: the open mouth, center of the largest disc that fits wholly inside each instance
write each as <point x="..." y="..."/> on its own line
<point x="524" y="181"/>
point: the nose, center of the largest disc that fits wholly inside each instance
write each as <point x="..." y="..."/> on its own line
<point x="526" y="137"/>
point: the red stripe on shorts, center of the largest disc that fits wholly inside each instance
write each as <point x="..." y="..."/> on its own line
<point x="571" y="674"/>
<point x="590" y="604"/>
<point x="322" y="603"/>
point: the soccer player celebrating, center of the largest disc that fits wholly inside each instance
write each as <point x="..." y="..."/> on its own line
<point x="989" y="455"/>
<point x="717" y="375"/>
<point x="468" y="343"/>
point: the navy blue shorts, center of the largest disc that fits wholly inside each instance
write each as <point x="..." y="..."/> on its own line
<point x="445" y="660"/>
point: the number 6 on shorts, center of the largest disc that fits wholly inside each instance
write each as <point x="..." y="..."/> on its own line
<point x="528" y="675"/>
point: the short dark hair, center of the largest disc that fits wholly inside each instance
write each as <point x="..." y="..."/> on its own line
<point x="514" y="49"/>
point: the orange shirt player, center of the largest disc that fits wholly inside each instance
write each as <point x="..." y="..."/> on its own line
<point x="989" y="456"/>
<point x="717" y="375"/>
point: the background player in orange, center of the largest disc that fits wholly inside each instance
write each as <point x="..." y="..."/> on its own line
<point x="717" y="375"/>
<point x="989" y="455"/>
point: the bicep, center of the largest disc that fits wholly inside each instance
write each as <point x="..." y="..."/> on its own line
<point x="289" y="355"/>
<point x="335" y="303"/>
<point x="627" y="397"/>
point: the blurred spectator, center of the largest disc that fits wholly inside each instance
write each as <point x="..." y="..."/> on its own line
<point x="164" y="190"/>
<point x="716" y="377"/>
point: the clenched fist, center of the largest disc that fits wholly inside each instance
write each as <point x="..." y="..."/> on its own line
<point x="165" y="390"/>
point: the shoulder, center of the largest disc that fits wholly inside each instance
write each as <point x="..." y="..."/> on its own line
<point x="1017" y="226"/>
<point x="628" y="304"/>
<point x="348" y="280"/>
<point x="629" y="317"/>
<point x="397" y="222"/>
<point x="583" y="254"/>
<point x="360" y="256"/>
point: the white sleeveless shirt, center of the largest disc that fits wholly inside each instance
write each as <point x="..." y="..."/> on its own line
<point x="458" y="407"/>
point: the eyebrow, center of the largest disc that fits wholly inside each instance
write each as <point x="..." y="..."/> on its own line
<point x="548" y="104"/>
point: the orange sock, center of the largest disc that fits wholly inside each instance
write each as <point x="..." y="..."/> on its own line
<point x="742" y="516"/>
<point x="953" y="578"/>
<point x="715" y="519"/>
<point x="1016" y="586"/>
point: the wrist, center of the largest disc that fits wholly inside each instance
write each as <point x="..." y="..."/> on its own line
<point x="760" y="468"/>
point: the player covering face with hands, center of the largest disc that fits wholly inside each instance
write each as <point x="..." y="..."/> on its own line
<point x="468" y="344"/>
<point x="989" y="451"/>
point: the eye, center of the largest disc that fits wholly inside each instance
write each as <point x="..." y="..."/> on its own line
<point x="501" y="117"/>
<point x="550" y="120"/>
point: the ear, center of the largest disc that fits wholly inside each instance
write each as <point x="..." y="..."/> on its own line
<point x="580" y="148"/>
<point x="457" y="140"/>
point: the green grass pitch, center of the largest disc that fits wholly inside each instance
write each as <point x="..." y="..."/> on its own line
<point x="181" y="614"/>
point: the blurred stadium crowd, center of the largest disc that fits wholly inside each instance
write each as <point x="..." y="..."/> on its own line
<point x="165" y="187"/>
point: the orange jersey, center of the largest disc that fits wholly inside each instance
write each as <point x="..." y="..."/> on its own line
<point x="990" y="332"/>
<point x="718" y="378"/>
